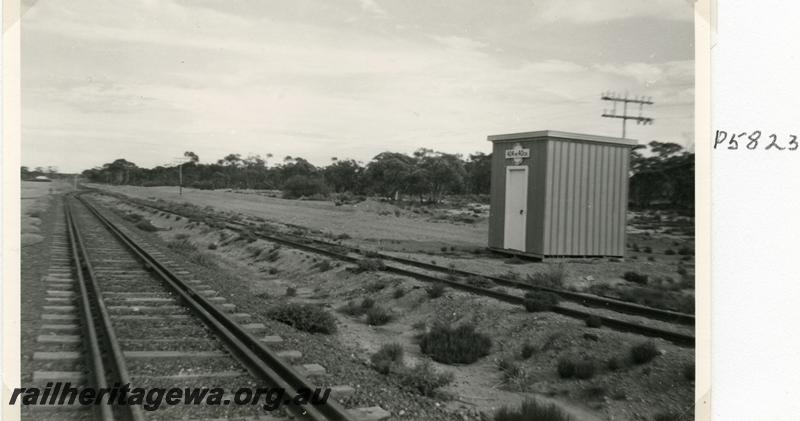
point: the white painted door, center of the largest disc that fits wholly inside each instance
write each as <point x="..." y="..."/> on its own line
<point x="516" y="207"/>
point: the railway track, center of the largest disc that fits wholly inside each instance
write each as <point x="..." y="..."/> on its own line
<point x="148" y="324"/>
<point x="407" y="267"/>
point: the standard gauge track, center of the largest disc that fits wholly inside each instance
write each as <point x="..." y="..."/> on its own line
<point x="408" y="267"/>
<point x="146" y="326"/>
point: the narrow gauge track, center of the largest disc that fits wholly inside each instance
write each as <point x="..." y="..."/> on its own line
<point x="146" y="326"/>
<point x="351" y="255"/>
<point x="589" y="300"/>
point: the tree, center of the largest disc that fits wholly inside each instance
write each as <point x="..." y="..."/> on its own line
<point x="343" y="175"/>
<point x="444" y="173"/>
<point x="119" y="171"/>
<point x="303" y="186"/>
<point x="192" y="156"/>
<point x="479" y="173"/>
<point x="231" y="160"/>
<point x="388" y="173"/>
<point x="666" y="176"/>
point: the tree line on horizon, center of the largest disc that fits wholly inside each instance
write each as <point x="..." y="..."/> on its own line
<point x="664" y="177"/>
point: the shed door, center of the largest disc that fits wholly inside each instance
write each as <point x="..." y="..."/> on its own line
<point x="516" y="207"/>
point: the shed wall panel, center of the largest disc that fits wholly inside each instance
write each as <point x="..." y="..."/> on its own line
<point x="536" y="196"/>
<point x="497" y="203"/>
<point x="586" y="191"/>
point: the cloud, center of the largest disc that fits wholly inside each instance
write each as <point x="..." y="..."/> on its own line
<point x="460" y="43"/>
<point x="213" y="81"/>
<point x="372" y="6"/>
<point x="592" y="11"/>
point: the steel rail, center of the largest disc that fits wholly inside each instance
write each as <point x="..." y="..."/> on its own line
<point x="678" y="338"/>
<point x="588" y="300"/>
<point x="130" y="412"/>
<point x="259" y="359"/>
<point x="616" y="324"/>
<point x="95" y="356"/>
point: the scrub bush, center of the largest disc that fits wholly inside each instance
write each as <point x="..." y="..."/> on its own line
<point x="531" y="410"/>
<point x="306" y="317"/>
<point x="460" y="345"/>
<point x="540" y="301"/>
<point x="423" y="378"/>
<point x="644" y="352"/>
<point x="388" y="358"/>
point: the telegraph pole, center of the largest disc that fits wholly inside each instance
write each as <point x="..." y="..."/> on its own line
<point x="615" y="98"/>
<point x="180" y="161"/>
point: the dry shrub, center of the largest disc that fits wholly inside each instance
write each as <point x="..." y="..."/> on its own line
<point x="553" y="277"/>
<point x="423" y="378"/>
<point x="388" y="358"/>
<point x="527" y="351"/>
<point x="635" y="278"/>
<point x="460" y="345"/>
<point x="594" y="321"/>
<point x="644" y="352"/>
<point x="531" y="410"/>
<point x="436" y="290"/>
<point x="540" y="301"/>
<point x="480" y="282"/>
<point x="378" y="316"/>
<point x="181" y="246"/>
<point x="369" y="265"/>
<point x="354" y="309"/>
<point x="305" y="317"/>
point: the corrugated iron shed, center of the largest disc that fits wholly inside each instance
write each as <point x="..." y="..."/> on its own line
<point x="559" y="194"/>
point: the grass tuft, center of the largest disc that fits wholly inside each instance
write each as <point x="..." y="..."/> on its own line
<point x="644" y="352"/>
<point x="388" y="358"/>
<point x="540" y="301"/>
<point x="480" y="282"/>
<point x="460" y="345"/>
<point x="531" y="410"/>
<point x="369" y="265"/>
<point x="436" y="290"/>
<point x="553" y="277"/>
<point x="378" y="316"/>
<point x="594" y="321"/>
<point x="423" y="378"/>
<point x="306" y="317"/>
<point x="635" y="277"/>
<point x="527" y="351"/>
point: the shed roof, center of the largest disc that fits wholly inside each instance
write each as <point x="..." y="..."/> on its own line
<point x="542" y="134"/>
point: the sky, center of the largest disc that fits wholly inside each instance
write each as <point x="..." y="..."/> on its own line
<point x="146" y="80"/>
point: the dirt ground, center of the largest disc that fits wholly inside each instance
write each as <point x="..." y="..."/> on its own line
<point x="654" y="242"/>
<point x="627" y="392"/>
<point x="362" y="221"/>
<point x="35" y="202"/>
